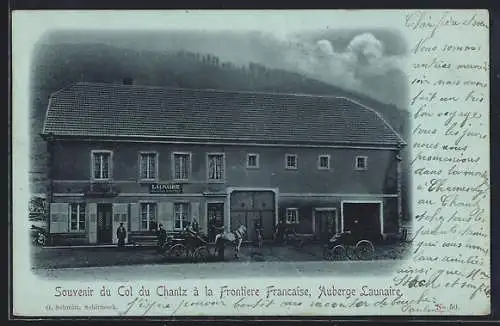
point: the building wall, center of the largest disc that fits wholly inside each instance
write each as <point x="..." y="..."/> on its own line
<point x="306" y="188"/>
<point x="308" y="205"/>
<point x="72" y="168"/>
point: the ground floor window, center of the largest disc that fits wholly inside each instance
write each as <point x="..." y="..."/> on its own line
<point x="292" y="215"/>
<point x="77" y="217"/>
<point x="148" y="216"/>
<point x="180" y="215"/>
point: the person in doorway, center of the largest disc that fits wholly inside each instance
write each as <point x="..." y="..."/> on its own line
<point x="356" y="229"/>
<point x="211" y="230"/>
<point x="279" y="231"/>
<point x="162" y="236"/>
<point x="121" y="234"/>
<point x="259" y="233"/>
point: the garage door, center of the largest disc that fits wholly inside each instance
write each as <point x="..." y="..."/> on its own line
<point x="248" y="207"/>
<point x="368" y="216"/>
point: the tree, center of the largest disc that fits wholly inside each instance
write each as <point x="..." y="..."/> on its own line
<point x="38" y="208"/>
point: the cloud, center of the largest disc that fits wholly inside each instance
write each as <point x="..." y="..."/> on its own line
<point x="325" y="47"/>
<point x="362" y="61"/>
<point x="366" y="45"/>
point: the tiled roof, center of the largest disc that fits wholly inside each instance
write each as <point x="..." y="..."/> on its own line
<point x="114" y="110"/>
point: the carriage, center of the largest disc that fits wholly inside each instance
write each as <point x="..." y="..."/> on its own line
<point x="347" y="245"/>
<point x="191" y="245"/>
<point x="187" y="245"/>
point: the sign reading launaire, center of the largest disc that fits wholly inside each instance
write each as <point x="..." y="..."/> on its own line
<point x="160" y="188"/>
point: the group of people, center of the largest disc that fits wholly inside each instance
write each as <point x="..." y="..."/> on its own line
<point x="282" y="229"/>
<point x="191" y="228"/>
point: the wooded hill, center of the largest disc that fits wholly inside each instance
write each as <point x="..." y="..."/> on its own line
<point x="58" y="66"/>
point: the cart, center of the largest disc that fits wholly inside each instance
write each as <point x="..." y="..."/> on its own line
<point x="348" y="246"/>
<point x="188" y="246"/>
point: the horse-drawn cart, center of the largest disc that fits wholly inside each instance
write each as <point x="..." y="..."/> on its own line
<point x="189" y="246"/>
<point x="348" y="246"/>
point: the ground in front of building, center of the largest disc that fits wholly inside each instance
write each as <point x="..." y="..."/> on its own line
<point x="75" y="257"/>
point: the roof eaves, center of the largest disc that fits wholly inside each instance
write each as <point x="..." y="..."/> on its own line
<point x="49" y="105"/>
<point x="204" y="140"/>
<point x="401" y="140"/>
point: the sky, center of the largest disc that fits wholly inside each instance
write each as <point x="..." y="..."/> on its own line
<point x="370" y="61"/>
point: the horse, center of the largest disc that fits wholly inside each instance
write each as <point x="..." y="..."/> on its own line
<point x="235" y="237"/>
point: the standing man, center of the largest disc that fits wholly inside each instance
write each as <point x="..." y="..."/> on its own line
<point x="162" y="236"/>
<point x="195" y="226"/>
<point x="121" y="234"/>
<point x="259" y="233"/>
<point x="280" y="231"/>
<point x="211" y="229"/>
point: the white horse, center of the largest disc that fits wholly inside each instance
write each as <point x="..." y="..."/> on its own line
<point x="235" y="237"/>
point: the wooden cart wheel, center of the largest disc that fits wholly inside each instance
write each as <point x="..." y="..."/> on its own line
<point x="365" y="250"/>
<point x="351" y="252"/>
<point x="178" y="251"/>
<point x="163" y="249"/>
<point x="339" y="252"/>
<point x="201" y="253"/>
<point x="335" y="253"/>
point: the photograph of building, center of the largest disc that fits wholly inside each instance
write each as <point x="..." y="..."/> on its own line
<point x="146" y="142"/>
<point x="142" y="155"/>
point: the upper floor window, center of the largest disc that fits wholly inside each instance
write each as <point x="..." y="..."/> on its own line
<point x="77" y="217"/>
<point x="148" y="165"/>
<point x="148" y="216"/>
<point x="101" y="162"/>
<point x="215" y="166"/>
<point x="324" y="162"/>
<point x="292" y="215"/>
<point x="182" y="165"/>
<point x="291" y="161"/>
<point x="252" y="161"/>
<point x="361" y="162"/>
<point x="180" y="215"/>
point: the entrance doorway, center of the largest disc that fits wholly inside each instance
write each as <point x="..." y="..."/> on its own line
<point x="325" y="222"/>
<point x="104" y="223"/>
<point x="368" y="215"/>
<point x="215" y="217"/>
<point x="251" y="206"/>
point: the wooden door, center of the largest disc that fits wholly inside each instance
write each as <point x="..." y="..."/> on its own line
<point x="104" y="223"/>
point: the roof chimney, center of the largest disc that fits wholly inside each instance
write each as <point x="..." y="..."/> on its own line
<point x="128" y="81"/>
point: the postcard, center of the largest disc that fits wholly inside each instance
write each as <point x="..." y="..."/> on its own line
<point x="250" y="163"/>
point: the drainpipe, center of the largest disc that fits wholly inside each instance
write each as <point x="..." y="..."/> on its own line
<point x="227" y="213"/>
<point x="50" y="144"/>
<point x="398" y="184"/>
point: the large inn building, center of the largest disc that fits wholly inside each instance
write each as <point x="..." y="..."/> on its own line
<point x="145" y="155"/>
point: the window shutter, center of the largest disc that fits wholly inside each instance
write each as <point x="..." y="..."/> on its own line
<point x="59" y="217"/>
<point x="92" y="218"/>
<point x="64" y="218"/>
<point x="119" y="211"/>
<point x="110" y="166"/>
<point x="169" y="216"/>
<point x="54" y="211"/>
<point x="134" y="217"/>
